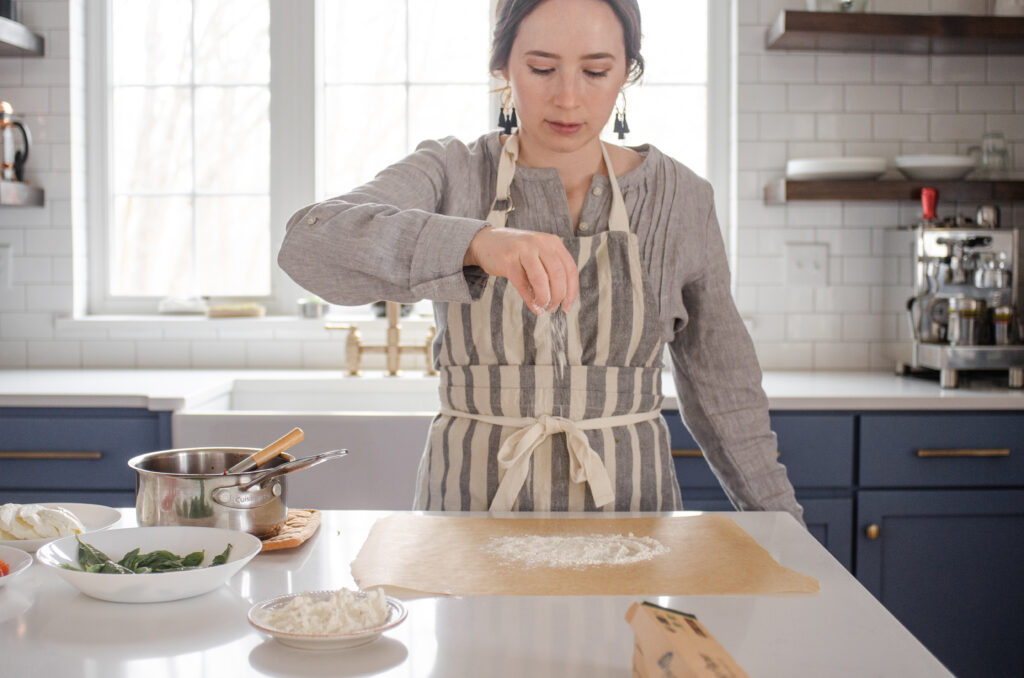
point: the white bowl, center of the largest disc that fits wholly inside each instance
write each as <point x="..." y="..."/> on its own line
<point x="324" y="641"/>
<point x="153" y="587"/>
<point x="94" y="517"/>
<point x="16" y="559"/>
<point x="804" y="169"/>
<point x="836" y="6"/>
<point x="934" y="167"/>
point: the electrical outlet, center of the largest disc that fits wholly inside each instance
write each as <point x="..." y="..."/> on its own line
<point x="807" y="264"/>
<point x="6" y="263"/>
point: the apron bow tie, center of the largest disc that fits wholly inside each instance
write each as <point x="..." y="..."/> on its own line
<point x="514" y="461"/>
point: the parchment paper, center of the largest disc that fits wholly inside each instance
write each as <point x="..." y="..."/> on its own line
<point x="412" y="555"/>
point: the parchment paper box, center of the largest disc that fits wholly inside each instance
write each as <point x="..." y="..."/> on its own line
<point x="673" y="643"/>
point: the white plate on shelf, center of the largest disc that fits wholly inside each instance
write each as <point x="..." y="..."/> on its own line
<point x="819" y="169"/>
<point x="325" y="641"/>
<point x="16" y="559"/>
<point x="934" y="167"/>
<point x="94" y="517"/>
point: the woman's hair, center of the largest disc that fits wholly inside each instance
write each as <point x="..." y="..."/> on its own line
<point x="512" y="12"/>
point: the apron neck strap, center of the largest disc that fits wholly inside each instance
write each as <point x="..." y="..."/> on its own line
<point x="502" y="205"/>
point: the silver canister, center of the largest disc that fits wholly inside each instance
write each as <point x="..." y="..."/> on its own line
<point x="1002" y="325"/>
<point x="965" y="317"/>
<point x="987" y="216"/>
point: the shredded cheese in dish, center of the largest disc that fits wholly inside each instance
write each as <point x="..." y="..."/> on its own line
<point x="32" y="521"/>
<point x="329" y="612"/>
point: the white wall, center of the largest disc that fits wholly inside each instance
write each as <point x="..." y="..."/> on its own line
<point x="791" y="104"/>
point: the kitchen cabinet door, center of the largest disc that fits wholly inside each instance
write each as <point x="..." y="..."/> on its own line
<point x="47" y="450"/>
<point x="948" y="564"/>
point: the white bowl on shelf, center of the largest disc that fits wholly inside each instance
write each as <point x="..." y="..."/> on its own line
<point x="934" y="167"/>
<point x="841" y="168"/>
<point x="154" y="587"/>
<point x="836" y="5"/>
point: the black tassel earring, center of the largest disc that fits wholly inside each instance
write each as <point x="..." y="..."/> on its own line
<point x="621" y="127"/>
<point x="507" y="121"/>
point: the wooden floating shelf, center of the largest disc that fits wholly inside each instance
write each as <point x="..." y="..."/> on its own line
<point x="784" y="190"/>
<point x="20" y="194"/>
<point x="896" y="33"/>
<point x="18" y="41"/>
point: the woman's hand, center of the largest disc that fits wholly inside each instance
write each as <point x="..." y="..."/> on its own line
<point x="537" y="265"/>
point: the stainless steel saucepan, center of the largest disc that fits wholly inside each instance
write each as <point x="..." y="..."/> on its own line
<point x="192" y="486"/>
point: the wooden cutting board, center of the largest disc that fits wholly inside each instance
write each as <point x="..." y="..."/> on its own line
<point x="412" y="555"/>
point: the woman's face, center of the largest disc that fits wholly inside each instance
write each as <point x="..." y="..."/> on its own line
<point x="566" y="67"/>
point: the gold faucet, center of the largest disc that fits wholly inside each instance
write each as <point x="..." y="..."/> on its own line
<point x="392" y="348"/>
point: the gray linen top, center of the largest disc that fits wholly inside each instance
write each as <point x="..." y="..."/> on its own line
<point x="403" y="236"/>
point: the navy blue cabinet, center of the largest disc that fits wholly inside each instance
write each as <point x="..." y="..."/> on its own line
<point x="947" y="564"/>
<point x="75" y="454"/>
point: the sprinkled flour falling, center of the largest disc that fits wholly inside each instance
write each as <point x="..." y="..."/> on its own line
<point x="575" y="552"/>
<point x="559" y="340"/>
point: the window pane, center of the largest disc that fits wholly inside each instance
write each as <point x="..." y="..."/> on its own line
<point x="447" y="110"/>
<point x="150" y="41"/>
<point x="232" y="139"/>
<point x="152" y="140"/>
<point x="675" y="42"/>
<point x="449" y="41"/>
<point x="364" y="41"/>
<point x="364" y="131"/>
<point x="152" y="252"/>
<point x="672" y="118"/>
<point x="233" y="245"/>
<point x="232" y="41"/>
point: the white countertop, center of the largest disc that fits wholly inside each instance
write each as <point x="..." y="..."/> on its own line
<point x="47" y="628"/>
<point x="167" y="390"/>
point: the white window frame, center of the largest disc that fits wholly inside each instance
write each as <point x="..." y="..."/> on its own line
<point x="295" y="43"/>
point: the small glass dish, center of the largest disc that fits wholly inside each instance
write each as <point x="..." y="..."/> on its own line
<point x="324" y="641"/>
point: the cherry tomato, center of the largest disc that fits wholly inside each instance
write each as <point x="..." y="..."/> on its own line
<point x="4" y="568"/>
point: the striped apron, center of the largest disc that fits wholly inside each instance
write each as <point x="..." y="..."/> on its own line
<point x="557" y="412"/>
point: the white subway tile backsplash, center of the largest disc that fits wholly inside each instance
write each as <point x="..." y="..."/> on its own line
<point x="761" y="99"/>
<point x="108" y="354"/>
<point x="323" y="355"/>
<point x="900" y="68"/>
<point x="785" y="356"/>
<point x="842" y="299"/>
<point x="814" y="327"/>
<point x="31" y="270"/>
<point x="844" y="126"/>
<point x="956" y="127"/>
<point x="274" y="354"/>
<point x="841" y="356"/>
<point x="1005" y="69"/>
<point x="783" y="67"/>
<point x="748" y="69"/>
<point x="985" y="98"/>
<point x="12" y="299"/>
<point x="863" y="270"/>
<point x="217" y="354"/>
<point x="814" y="149"/>
<point x="900" y="126"/>
<point x="928" y="99"/>
<point x="762" y="155"/>
<point x="163" y="354"/>
<point x="872" y="98"/>
<point x="56" y="354"/>
<point x="844" y="68"/>
<point x="28" y="325"/>
<point x="814" y="98"/>
<point x="768" y="327"/>
<point x="861" y="214"/>
<point x="48" y="241"/>
<point x="13" y="355"/>
<point x="1010" y="124"/>
<point x="785" y="126"/>
<point x="760" y="271"/>
<point x="756" y="215"/>
<point x="958" y="69"/>
<point x="54" y="298"/>
<point x="814" y="214"/>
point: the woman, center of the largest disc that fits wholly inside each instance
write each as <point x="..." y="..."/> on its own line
<point x="559" y="267"/>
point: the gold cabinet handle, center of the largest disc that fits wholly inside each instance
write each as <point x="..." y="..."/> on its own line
<point x="968" y="452"/>
<point x="47" y="454"/>
<point x="873" y="531"/>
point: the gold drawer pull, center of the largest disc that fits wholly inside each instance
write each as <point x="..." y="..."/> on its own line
<point x="873" y="531"/>
<point x="693" y="454"/>
<point x="925" y="454"/>
<point x="44" y="454"/>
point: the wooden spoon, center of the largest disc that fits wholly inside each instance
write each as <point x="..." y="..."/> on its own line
<point x="269" y="452"/>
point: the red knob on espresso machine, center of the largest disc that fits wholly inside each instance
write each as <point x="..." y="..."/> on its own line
<point x="929" y="196"/>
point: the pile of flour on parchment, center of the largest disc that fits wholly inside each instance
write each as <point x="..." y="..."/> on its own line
<point x="574" y="552"/>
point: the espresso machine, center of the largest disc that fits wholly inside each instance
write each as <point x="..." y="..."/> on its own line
<point x="968" y="297"/>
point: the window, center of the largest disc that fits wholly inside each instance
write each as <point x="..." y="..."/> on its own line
<point x="211" y="121"/>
